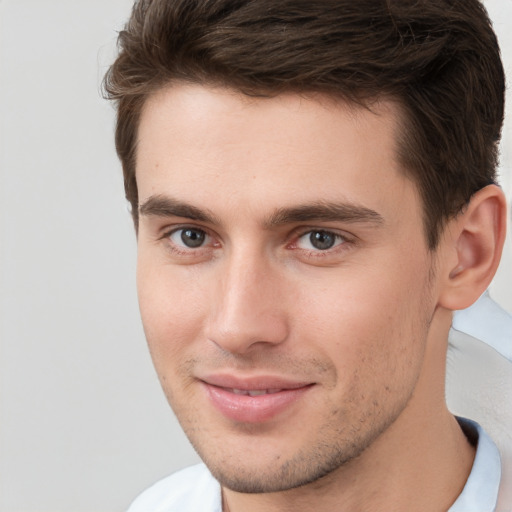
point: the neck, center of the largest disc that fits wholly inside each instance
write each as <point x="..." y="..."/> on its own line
<point x="419" y="463"/>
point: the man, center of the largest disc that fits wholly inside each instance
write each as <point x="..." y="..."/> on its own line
<point x="313" y="189"/>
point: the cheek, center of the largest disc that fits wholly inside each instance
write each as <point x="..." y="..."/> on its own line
<point x="172" y="310"/>
<point x="373" y="327"/>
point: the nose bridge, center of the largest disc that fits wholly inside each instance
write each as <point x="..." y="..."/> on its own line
<point x="248" y="308"/>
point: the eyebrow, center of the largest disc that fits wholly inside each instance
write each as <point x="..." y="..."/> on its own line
<point x="325" y="212"/>
<point x="164" y="206"/>
<point x="321" y="211"/>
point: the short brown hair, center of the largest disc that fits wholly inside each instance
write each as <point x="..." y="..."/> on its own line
<point x="439" y="59"/>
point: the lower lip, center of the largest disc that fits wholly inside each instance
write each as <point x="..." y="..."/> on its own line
<point x="253" y="409"/>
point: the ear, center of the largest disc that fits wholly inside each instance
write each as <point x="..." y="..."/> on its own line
<point x="473" y="242"/>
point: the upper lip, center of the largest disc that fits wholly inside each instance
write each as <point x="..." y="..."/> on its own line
<point x="253" y="383"/>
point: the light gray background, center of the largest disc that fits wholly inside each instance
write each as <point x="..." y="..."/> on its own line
<point x="83" y="424"/>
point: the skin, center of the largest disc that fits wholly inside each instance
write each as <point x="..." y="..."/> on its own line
<point x="361" y="322"/>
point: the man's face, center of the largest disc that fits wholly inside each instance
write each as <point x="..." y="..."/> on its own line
<point x="284" y="281"/>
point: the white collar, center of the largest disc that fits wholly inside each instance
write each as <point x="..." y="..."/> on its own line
<point x="480" y="493"/>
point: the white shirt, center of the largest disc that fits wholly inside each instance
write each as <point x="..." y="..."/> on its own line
<point x="487" y="321"/>
<point x="480" y="493"/>
<point x="195" y="490"/>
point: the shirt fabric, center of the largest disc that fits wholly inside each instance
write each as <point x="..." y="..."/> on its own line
<point x="486" y="320"/>
<point x="195" y="490"/>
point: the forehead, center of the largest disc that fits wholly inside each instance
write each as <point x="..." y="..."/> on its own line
<point x="201" y="143"/>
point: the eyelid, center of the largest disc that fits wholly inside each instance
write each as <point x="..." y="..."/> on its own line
<point x="300" y="232"/>
<point x="349" y="241"/>
<point x="167" y="230"/>
<point x="344" y="240"/>
<point x="177" y="232"/>
<point x="339" y="239"/>
<point x="179" y="248"/>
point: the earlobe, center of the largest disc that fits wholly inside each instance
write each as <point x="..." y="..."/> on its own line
<point x="476" y="238"/>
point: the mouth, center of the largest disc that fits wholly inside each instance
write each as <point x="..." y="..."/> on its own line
<point x="254" y="392"/>
<point x="255" y="400"/>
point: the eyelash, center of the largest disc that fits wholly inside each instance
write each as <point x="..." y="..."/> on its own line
<point x="337" y="242"/>
<point x="342" y="242"/>
<point x="183" y="249"/>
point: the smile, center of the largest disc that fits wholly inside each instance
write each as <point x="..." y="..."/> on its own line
<point x="253" y="400"/>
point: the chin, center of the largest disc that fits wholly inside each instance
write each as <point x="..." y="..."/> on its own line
<point x="274" y="474"/>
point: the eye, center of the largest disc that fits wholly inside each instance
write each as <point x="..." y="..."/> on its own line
<point x="191" y="238"/>
<point x="319" y="240"/>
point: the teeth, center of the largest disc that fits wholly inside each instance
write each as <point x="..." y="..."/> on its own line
<point x="258" y="393"/>
<point x="254" y="392"/>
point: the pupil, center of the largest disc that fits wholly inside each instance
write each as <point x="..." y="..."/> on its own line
<point x="192" y="237"/>
<point x="322" y="240"/>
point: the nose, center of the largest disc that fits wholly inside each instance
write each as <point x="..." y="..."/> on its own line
<point x="248" y="309"/>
